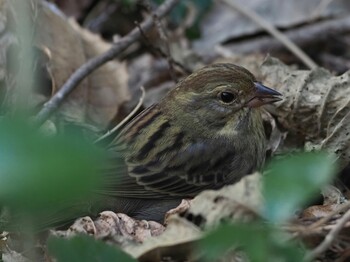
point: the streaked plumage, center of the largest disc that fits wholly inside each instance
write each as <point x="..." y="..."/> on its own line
<point x="192" y="140"/>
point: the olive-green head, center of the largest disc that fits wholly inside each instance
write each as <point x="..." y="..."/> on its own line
<point x="218" y="96"/>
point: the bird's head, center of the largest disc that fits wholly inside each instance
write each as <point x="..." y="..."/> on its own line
<point x="219" y="96"/>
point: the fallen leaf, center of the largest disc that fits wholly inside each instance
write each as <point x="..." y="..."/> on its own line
<point x="332" y="199"/>
<point x="316" y="106"/>
<point x="98" y="98"/>
<point x="110" y="225"/>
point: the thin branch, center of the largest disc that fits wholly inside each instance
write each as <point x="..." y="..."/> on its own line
<point x="161" y="53"/>
<point x="164" y="39"/>
<point x="304" y="35"/>
<point x="260" y="21"/>
<point x="329" y="239"/>
<point x="51" y="106"/>
<point x="126" y="119"/>
<point x="325" y="219"/>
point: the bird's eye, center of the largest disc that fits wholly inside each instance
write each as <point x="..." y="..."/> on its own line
<point x="227" y="97"/>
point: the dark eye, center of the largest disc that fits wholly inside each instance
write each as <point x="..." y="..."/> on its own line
<point x="227" y="97"/>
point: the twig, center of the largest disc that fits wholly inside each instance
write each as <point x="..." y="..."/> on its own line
<point x="329" y="216"/>
<point x="163" y="36"/>
<point x="302" y="36"/>
<point x="164" y="39"/>
<point x="273" y="31"/>
<point x="51" y="106"/>
<point x="126" y="119"/>
<point x="328" y="240"/>
<point x="161" y="52"/>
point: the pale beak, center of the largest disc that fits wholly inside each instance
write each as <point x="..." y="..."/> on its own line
<point x="263" y="95"/>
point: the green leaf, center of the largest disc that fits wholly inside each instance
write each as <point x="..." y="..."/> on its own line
<point x="84" y="248"/>
<point x="259" y="241"/>
<point x="39" y="173"/>
<point x="292" y="181"/>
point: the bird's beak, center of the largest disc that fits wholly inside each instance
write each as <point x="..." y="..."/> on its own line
<point x="263" y="95"/>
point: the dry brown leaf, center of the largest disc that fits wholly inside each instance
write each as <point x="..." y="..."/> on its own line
<point x="97" y="99"/>
<point x="67" y="54"/>
<point x="316" y="105"/>
<point x="110" y="225"/>
<point x="108" y="85"/>
<point x="332" y="199"/>
<point x="274" y="136"/>
<point x="175" y="242"/>
<point x="238" y="202"/>
<point x="180" y="209"/>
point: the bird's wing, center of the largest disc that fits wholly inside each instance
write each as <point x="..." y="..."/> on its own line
<point x="164" y="162"/>
<point x="187" y="171"/>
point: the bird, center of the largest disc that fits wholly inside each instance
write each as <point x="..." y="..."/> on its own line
<point x="207" y="132"/>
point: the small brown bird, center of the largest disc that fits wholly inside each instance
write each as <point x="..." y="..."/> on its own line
<point x="205" y="133"/>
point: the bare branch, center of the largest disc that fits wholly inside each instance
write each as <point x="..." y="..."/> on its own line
<point x="329" y="239"/>
<point x="159" y="51"/>
<point x="273" y="31"/>
<point x="126" y="119"/>
<point x="304" y="35"/>
<point x="51" y="106"/>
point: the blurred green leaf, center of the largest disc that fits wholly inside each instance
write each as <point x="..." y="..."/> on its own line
<point x="259" y="241"/>
<point x="39" y="173"/>
<point x="292" y="181"/>
<point x="84" y="248"/>
<point x="179" y="13"/>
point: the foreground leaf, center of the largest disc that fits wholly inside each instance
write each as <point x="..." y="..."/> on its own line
<point x="259" y="242"/>
<point x="83" y="248"/>
<point x="41" y="174"/>
<point x="292" y="181"/>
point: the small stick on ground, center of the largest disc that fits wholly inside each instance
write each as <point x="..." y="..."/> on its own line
<point x="126" y="119"/>
<point x="325" y="219"/>
<point x="329" y="239"/>
<point x="51" y="106"/>
<point x="273" y="31"/>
